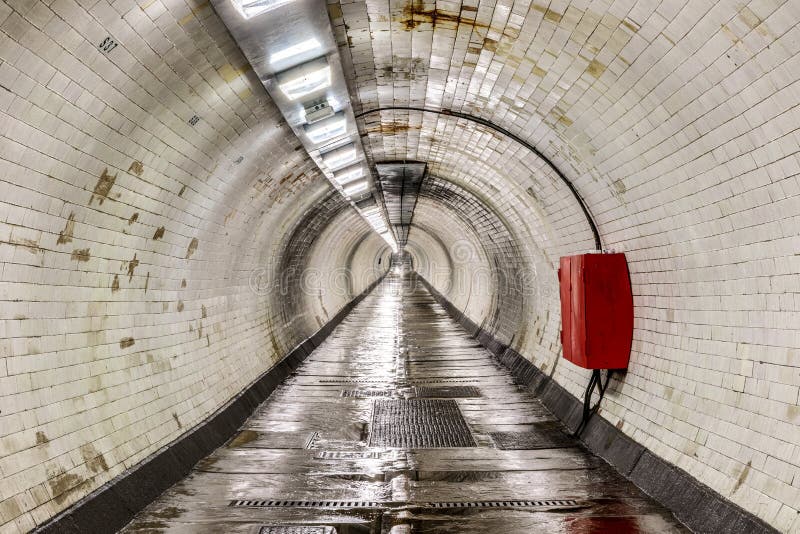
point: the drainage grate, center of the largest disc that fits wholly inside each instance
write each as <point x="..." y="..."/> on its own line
<point x="295" y="529"/>
<point x="447" y="380"/>
<point x="545" y="436"/>
<point x="504" y="504"/>
<point x="304" y="504"/>
<point x="447" y="392"/>
<point x="362" y="393"/>
<point x="550" y="503"/>
<point x="418" y="424"/>
<point x="349" y="455"/>
<point x="354" y="381"/>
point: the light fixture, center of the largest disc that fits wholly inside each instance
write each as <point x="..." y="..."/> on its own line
<point x="250" y="8"/>
<point x="317" y="110"/>
<point x="387" y="236"/>
<point x="326" y="128"/>
<point x="348" y="174"/>
<point x="340" y="156"/>
<point x="302" y="47"/>
<point x="304" y="79"/>
<point x="355" y="187"/>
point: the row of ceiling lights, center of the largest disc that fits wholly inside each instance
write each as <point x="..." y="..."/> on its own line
<point x="324" y="119"/>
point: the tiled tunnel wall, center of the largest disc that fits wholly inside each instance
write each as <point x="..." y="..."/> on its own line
<point x="677" y="123"/>
<point x="136" y="241"/>
<point x="140" y="247"/>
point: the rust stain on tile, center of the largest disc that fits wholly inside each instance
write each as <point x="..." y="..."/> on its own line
<point x="103" y="186"/>
<point x="95" y="461"/>
<point x="159" y="233"/>
<point x="246" y="93"/>
<point x="126" y="342"/>
<point x="115" y="284"/>
<point x="415" y="14"/>
<point x="392" y="128"/>
<point x="204" y="314"/>
<point x="133" y="219"/>
<point x="180" y="305"/>
<point x="41" y="438"/>
<point x="228" y="217"/>
<point x="178" y="421"/>
<point x="131" y="266"/>
<point x="595" y="68"/>
<point x="749" y="18"/>
<point x="549" y="14"/>
<point x="182" y="191"/>
<point x="67" y="233"/>
<point x="136" y="168"/>
<point x="28" y="244"/>
<point x="229" y="73"/>
<point x="631" y="25"/>
<point x="183" y="282"/>
<point x="63" y="484"/>
<point x="335" y="11"/>
<point x="81" y="254"/>
<point x="192" y="247"/>
<point x="742" y="477"/>
<point x="490" y="45"/>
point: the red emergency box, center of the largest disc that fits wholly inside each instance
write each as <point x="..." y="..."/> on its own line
<point x="596" y="310"/>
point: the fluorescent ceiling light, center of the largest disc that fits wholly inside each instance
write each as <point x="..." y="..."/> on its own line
<point x="251" y="8"/>
<point x="355" y="187"/>
<point x="349" y="174"/>
<point x="326" y="128"/>
<point x="302" y="47"/>
<point x="340" y="156"/>
<point x="305" y="79"/>
<point x="387" y="236"/>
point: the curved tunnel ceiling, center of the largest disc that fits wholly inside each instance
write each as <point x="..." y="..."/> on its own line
<point x="165" y="239"/>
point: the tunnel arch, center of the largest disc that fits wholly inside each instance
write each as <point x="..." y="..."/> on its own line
<point x="148" y="195"/>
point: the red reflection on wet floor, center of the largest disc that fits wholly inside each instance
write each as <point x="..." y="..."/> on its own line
<point x="602" y="525"/>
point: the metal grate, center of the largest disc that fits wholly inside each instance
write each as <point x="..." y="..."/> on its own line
<point x="544" y="436"/>
<point x="504" y="504"/>
<point x="349" y="455"/>
<point x="447" y="380"/>
<point x="418" y="424"/>
<point x="549" y="503"/>
<point x="257" y="503"/>
<point x="354" y="381"/>
<point x="363" y="393"/>
<point x="295" y="529"/>
<point x="447" y="392"/>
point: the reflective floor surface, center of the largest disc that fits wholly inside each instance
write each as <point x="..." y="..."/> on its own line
<point x="400" y="422"/>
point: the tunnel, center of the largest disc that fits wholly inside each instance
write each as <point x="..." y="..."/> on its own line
<point x="294" y="266"/>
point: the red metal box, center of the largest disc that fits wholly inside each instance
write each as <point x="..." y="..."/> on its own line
<point x="596" y="310"/>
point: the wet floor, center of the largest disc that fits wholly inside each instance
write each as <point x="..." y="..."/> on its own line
<point x="400" y="422"/>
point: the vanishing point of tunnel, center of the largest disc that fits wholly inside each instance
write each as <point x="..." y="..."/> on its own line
<point x="399" y="266"/>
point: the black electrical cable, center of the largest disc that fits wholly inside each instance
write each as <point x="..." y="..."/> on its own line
<point x="500" y="129"/>
<point x="588" y="410"/>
